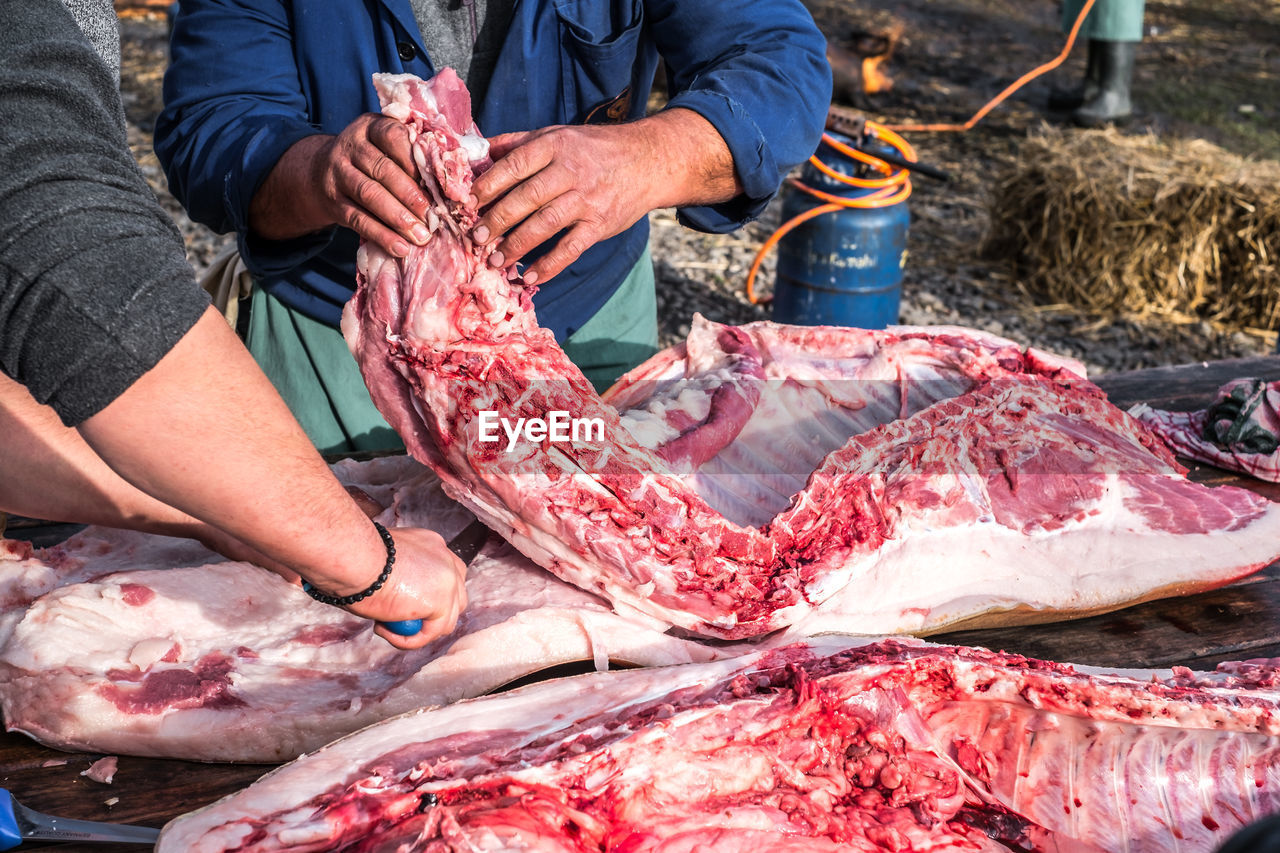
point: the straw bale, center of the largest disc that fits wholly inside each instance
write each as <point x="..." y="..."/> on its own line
<point x="1137" y="226"/>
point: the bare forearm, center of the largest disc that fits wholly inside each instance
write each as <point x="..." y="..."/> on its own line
<point x="231" y="454"/>
<point x="282" y="208"/>
<point x="185" y="452"/>
<point x="49" y="472"/>
<point x="699" y="167"/>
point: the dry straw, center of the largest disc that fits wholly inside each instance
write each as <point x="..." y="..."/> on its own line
<point x="1118" y="225"/>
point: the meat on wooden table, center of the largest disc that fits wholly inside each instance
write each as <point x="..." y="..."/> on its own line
<point x="763" y="477"/>
<point x="127" y="643"/>
<point x="834" y="744"/>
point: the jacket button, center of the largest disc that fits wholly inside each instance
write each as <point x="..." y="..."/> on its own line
<point x="407" y="50"/>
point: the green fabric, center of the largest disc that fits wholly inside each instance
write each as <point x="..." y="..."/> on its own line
<point x="1109" y="20"/>
<point x="313" y="370"/>
<point x="623" y="333"/>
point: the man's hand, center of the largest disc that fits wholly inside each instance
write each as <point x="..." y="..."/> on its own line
<point x="594" y="181"/>
<point x="427" y="583"/>
<point x="363" y="178"/>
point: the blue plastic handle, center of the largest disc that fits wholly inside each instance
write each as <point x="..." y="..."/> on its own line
<point x="10" y="834"/>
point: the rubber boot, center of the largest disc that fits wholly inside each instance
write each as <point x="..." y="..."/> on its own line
<point x="1112" y="103"/>
<point x="1066" y="100"/>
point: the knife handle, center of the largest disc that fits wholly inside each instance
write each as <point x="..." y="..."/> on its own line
<point x="10" y="831"/>
<point x="404" y="627"/>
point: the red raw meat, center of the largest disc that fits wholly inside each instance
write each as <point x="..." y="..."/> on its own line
<point x="831" y="745"/>
<point x="767" y="476"/>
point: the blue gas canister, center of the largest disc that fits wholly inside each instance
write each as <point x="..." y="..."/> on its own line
<point x="842" y="267"/>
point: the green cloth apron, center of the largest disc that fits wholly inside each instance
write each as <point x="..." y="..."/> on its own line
<point x="313" y="370"/>
<point x="1109" y="20"/>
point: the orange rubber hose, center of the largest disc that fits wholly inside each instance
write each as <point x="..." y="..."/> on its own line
<point x="773" y="240"/>
<point x="1012" y="87"/>
<point x="900" y="178"/>
<point x="894" y="187"/>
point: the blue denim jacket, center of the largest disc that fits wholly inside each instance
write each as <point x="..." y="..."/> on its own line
<point x="249" y="78"/>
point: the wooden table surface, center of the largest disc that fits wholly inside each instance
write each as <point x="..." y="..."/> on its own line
<point x="1232" y="623"/>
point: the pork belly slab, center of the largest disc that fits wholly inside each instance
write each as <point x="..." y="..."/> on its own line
<point x="145" y="645"/>
<point x="834" y="744"/>
<point x="761" y="477"/>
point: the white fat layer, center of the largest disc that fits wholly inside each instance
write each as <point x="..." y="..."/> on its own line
<point x="149" y="652"/>
<point x="476" y="146"/>
<point x="933" y="578"/>
<point x="651" y="426"/>
<point x="395" y="95"/>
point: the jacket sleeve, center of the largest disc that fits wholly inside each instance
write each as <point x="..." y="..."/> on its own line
<point x="757" y="70"/>
<point x="95" y="287"/>
<point x="233" y="104"/>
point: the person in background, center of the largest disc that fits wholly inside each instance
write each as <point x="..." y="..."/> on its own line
<point x="1113" y="29"/>
<point x="271" y="129"/>
<point x="113" y="406"/>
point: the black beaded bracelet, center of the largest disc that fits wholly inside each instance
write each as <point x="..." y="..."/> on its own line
<point x="345" y="600"/>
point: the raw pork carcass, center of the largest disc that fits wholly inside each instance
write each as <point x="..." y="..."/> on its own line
<point x="759" y="477"/>
<point x="151" y="646"/>
<point x="828" y="745"/>
<point x="27" y="573"/>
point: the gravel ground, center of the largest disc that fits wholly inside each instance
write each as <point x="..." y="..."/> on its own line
<point x="945" y="280"/>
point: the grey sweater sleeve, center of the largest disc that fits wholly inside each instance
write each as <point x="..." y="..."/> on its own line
<point x="95" y="287"/>
<point x="97" y="20"/>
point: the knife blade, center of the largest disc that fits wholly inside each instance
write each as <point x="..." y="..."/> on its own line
<point x="465" y="546"/>
<point x="19" y="823"/>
